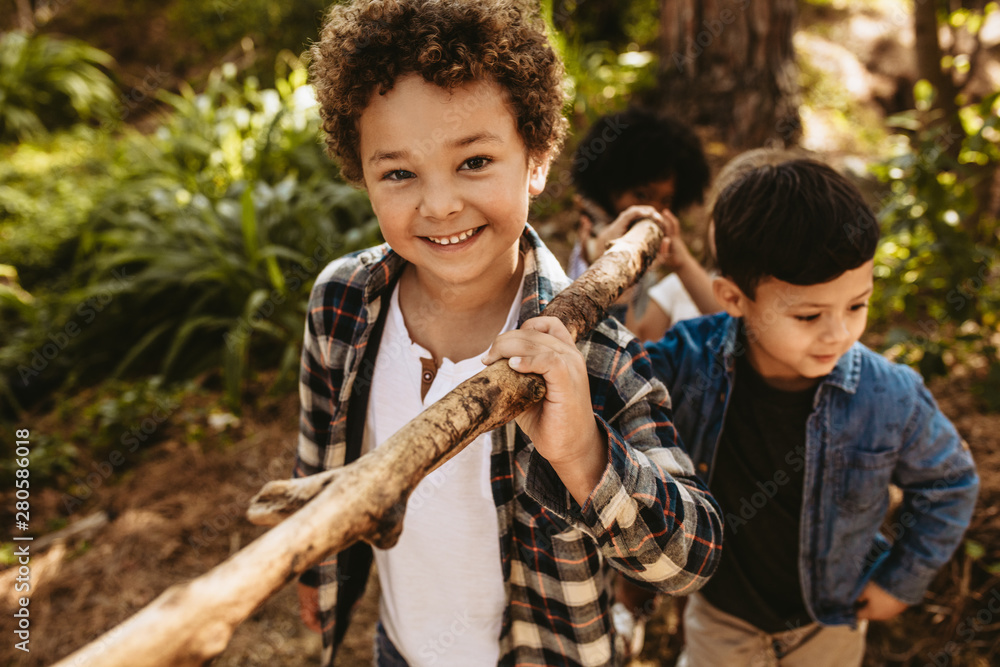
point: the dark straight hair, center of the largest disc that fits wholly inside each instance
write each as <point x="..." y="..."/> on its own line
<point x="799" y="221"/>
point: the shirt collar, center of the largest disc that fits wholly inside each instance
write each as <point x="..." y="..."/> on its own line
<point x="724" y="340"/>
<point x="847" y="373"/>
<point x="543" y="276"/>
<point x="383" y="265"/>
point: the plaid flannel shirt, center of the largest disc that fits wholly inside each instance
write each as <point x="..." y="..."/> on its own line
<point x="649" y="516"/>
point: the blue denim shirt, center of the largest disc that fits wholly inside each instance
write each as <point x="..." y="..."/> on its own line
<point x="873" y="423"/>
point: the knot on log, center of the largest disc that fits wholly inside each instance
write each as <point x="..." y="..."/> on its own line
<point x="280" y="499"/>
<point x="387" y="527"/>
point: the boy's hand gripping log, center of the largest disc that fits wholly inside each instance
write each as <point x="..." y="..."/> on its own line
<point x="192" y="622"/>
<point x="486" y="401"/>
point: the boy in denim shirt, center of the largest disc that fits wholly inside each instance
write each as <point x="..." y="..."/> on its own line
<point x="800" y="452"/>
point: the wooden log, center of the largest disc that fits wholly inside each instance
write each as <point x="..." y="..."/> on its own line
<point x="192" y="622"/>
<point x="489" y="399"/>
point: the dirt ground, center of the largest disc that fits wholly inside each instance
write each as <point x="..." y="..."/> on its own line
<point x="179" y="512"/>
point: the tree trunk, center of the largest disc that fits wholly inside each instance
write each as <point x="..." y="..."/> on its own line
<point x="25" y="17"/>
<point x="929" y="57"/>
<point x="730" y="64"/>
<point x="930" y="54"/>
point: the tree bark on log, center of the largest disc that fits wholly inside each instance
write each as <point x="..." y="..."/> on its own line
<point x="192" y="622"/>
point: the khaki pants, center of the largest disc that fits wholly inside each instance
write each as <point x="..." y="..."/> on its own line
<point x="713" y="638"/>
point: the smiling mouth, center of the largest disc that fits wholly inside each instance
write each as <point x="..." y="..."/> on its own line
<point x="454" y="238"/>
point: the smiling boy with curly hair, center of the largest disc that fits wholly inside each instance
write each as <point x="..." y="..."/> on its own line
<point x="448" y="112"/>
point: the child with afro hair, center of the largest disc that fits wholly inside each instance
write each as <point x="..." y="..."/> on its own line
<point x="638" y="157"/>
<point x="448" y="112"/>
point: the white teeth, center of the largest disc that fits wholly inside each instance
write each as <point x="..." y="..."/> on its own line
<point x="457" y="238"/>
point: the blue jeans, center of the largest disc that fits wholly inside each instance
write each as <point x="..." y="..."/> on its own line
<point x="385" y="654"/>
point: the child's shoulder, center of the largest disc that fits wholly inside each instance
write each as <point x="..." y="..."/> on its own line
<point x="704" y="336"/>
<point x="714" y="326"/>
<point x="616" y="358"/>
<point x="614" y="336"/>
<point x="883" y="379"/>
<point x="350" y="272"/>
<point x="345" y="269"/>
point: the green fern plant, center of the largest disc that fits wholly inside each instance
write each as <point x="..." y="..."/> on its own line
<point x="48" y="83"/>
<point x="210" y="247"/>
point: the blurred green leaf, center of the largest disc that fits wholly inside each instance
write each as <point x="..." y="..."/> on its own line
<point x="48" y="83"/>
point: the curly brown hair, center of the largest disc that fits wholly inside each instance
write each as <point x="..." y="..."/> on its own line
<point x="366" y="45"/>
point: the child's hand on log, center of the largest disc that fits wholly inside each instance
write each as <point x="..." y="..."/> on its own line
<point x="674" y="253"/>
<point x="618" y="227"/>
<point x="624" y="221"/>
<point x="562" y="426"/>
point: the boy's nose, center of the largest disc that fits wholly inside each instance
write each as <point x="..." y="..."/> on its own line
<point x="836" y="330"/>
<point x="439" y="201"/>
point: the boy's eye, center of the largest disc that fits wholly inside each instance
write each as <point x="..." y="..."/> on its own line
<point x="859" y="306"/>
<point x="397" y="175"/>
<point x="807" y="318"/>
<point x="475" y="163"/>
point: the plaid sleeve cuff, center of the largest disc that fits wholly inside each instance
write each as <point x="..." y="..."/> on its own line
<point x="609" y="501"/>
<point x="663" y="530"/>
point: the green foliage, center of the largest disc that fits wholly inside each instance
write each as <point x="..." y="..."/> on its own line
<point x="47" y="190"/>
<point x="605" y="65"/>
<point x="856" y="125"/>
<point x="214" y="238"/>
<point x="18" y="318"/>
<point x="219" y="25"/>
<point x="938" y="264"/>
<point x="602" y="81"/>
<point x="121" y="407"/>
<point x="51" y="457"/>
<point x="48" y="83"/>
<point x="197" y="250"/>
<point x="963" y="24"/>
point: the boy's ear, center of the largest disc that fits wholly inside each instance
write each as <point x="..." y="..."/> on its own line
<point x="729" y="296"/>
<point x="539" y="173"/>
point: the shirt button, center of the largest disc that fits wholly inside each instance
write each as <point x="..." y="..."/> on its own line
<point x="702" y="467"/>
<point x="722" y="397"/>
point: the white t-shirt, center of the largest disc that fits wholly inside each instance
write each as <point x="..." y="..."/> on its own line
<point x="442" y="591"/>
<point x="670" y="295"/>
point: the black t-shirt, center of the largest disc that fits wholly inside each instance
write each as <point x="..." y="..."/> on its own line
<point x="758" y="478"/>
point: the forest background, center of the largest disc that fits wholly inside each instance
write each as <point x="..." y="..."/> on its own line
<point x="165" y="204"/>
